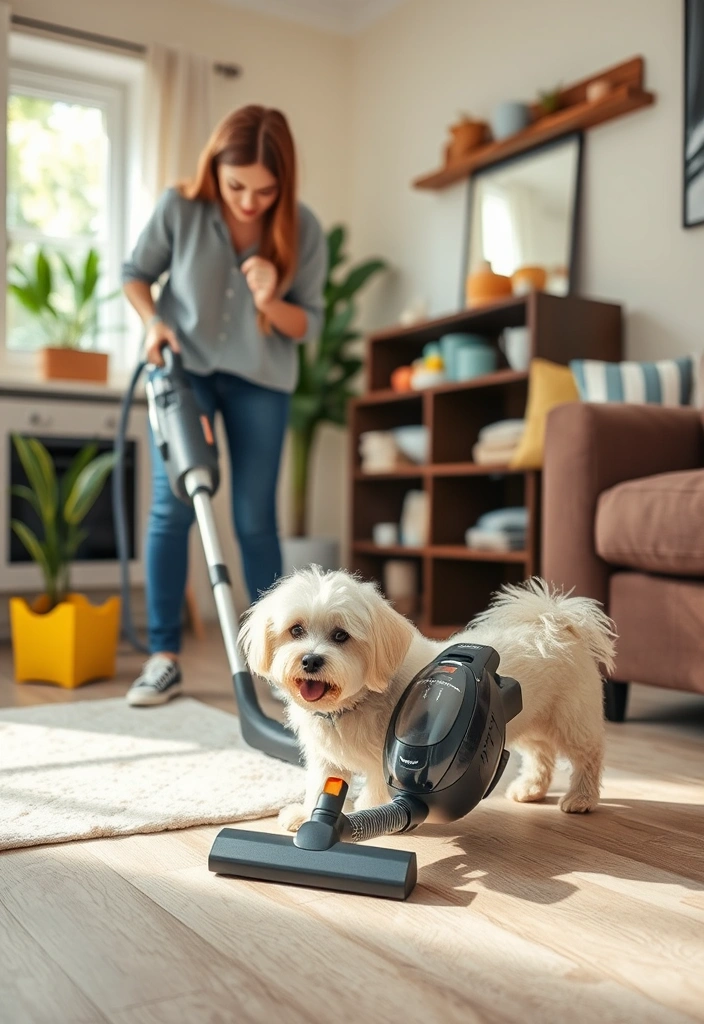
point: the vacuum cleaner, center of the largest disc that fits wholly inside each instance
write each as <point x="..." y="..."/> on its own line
<point x="444" y="753"/>
<point x="445" y="744"/>
<point x="185" y="440"/>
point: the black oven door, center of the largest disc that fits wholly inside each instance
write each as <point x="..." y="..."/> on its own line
<point x="101" y="543"/>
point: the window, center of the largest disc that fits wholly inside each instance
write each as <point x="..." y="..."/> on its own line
<point x="70" y="164"/>
<point x="500" y="244"/>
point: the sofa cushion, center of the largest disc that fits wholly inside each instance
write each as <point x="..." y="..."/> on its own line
<point x="654" y="524"/>
<point x="665" y="382"/>
<point x="660" y="624"/>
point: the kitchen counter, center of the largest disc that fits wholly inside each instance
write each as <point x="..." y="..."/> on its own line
<point x="16" y="383"/>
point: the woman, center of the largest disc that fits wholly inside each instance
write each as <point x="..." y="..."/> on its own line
<point x="247" y="265"/>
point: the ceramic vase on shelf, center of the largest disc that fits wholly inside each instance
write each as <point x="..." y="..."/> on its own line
<point x="485" y="287"/>
<point x="509" y="118"/>
<point x="528" y="279"/>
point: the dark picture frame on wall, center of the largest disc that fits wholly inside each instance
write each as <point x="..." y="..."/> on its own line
<point x="693" y="149"/>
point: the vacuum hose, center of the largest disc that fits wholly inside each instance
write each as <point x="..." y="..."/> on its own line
<point x="118" y="511"/>
<point x="377" y="821"/>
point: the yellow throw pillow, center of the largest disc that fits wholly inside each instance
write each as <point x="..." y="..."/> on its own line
<point x="549" y="384"/>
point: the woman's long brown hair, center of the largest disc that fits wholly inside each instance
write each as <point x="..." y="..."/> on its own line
<point x="256" y="135"/>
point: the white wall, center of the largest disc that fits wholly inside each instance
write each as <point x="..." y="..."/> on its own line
<point x="430" y="59"/>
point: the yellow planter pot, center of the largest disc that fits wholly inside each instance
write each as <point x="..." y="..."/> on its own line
<point x="74" y="643"/>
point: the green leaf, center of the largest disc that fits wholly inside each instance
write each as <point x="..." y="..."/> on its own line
<point x="17" y="269"/>
<point x="87" y="488"/>
<point x="350" y="368"/>
<point x="336" y="239"/>
<point x="39" y="468"/>
<point x="71" y="275"/>
<point x="68" y="268"/>
<point x="43" y="270"/>
<point x="358" y="277"/>
<point x="340" y="322"/>
<point x="34" y="548"/>
<point x="84" y="457"/>
<point x="90" y="275"/>
<point x="26" y="296"/>
<point x="75" y="539"/>
<point x="28" y="494"/>
<point x="305" y="410"/>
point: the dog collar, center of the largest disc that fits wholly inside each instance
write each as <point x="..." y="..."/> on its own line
<point x="331" y="716"/>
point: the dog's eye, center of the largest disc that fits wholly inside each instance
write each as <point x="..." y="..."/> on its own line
<point x="297" y="630"/>
<point x="339" y="636"/>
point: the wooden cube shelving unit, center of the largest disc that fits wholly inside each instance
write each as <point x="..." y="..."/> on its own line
<point x="456" y="582"/>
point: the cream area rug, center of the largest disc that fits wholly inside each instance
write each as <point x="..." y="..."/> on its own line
<point x="101" y="768"/>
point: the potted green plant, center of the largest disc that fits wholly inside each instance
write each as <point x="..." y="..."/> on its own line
<point x="327" y="369"/>
<point x="549" y="100"/>
<point x="67" y="313"/>
<point x="61" y="637"/>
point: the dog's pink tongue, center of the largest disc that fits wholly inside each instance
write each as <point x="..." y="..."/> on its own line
<point x="311" y="689"/>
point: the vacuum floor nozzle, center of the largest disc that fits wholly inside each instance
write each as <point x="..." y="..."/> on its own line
<point x="344" y="867"/>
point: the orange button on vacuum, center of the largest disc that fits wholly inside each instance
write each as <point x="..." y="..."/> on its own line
<point x="333" y="786"/>
<point x="205" y="423"/>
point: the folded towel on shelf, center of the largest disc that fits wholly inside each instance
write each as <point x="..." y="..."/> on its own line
<point x="514" y="517"/>
<point x="380" y="453"/>
<point x="497" y="442"/>
<point x="503" y="529"/>
<point x="497" y="540"/>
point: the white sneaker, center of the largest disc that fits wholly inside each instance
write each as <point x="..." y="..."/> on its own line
<point x="159" y="682"/>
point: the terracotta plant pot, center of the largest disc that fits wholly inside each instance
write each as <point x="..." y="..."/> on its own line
<point x="74" y="364"/>
<point x="74" y="643"/>
<point x="466" y="136"/>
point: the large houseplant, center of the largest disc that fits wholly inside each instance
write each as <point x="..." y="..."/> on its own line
<point x="65" y="308"/>
<point x="327" y="368"/>
<point x="60" y="638"/>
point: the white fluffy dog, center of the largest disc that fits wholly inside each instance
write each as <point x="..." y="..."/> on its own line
<point x="342" y="657"/>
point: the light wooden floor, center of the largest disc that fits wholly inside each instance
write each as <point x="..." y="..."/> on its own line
<point x="522" y="913"/>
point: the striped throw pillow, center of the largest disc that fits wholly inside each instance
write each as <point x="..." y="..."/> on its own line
<point x="665" y="382"/>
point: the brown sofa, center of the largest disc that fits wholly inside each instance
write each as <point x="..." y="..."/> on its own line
<point x="623" y="522"/>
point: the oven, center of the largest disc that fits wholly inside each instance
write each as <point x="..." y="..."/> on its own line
<point x="64" y="426"/>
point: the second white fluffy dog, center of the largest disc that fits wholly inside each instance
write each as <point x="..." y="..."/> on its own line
<point x="342" y="657"/>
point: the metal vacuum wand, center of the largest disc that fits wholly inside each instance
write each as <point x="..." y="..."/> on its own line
<point x="184" y="437"/>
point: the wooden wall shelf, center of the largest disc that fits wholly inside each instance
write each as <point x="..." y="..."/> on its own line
<point x="627" y="95"/>
<point x="455" y="581"/>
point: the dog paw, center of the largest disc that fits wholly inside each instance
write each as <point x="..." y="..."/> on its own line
<point x="292" y="817"/>
<point x="525" y="791"/>
<point x="577" y="803"/>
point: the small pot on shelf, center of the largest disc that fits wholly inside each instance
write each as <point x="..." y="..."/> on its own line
<point x="467" y="135"/>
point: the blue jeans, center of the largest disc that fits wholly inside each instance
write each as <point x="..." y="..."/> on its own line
<point x="255" y="421"/>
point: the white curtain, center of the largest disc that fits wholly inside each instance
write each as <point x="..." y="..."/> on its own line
<point x="176" y="118"/>
<point x="4" y="82"/>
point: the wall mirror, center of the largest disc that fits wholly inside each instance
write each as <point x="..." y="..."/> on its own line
<point x="523" y="212"/>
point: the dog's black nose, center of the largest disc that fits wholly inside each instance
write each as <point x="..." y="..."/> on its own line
<point x="312" y="662"/>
